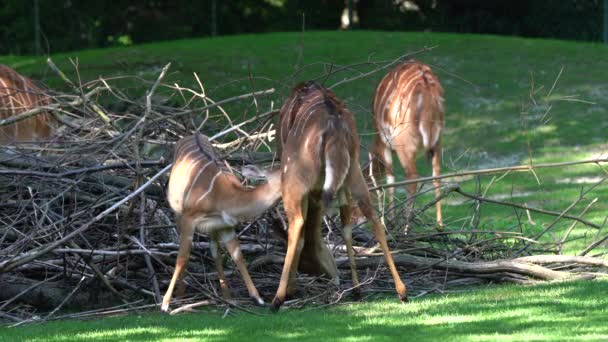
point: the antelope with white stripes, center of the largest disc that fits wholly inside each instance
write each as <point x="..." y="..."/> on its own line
<point x="408" y="114"/>
<point x="319" y="160"/>
<point x="17" y="95"/>
<point x="209" y="199"/>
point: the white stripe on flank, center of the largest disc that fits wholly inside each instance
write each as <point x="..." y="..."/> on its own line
<point x="193" y="183"/>
<point x="187" y="155"/>
<point x="305" y="121"/>
<point x="406" y="90"/>
<point x="211" y="184"/>
<point x="27" y="90"/>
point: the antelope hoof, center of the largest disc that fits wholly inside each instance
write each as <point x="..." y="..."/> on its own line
<point x="276" y="304"/>
<point x="258" y="301"/>
<point x="357" y="293"/>
<point x="164" y="308"/>
<point x="440" y="226"/>
<point x="403" y="299"/>
<point x="226" y="294"/>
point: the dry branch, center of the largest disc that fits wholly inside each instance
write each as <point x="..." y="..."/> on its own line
<point x="520" y="206"/>
<point x="510" y="266"/>
<point x="490" y="171"/>
<point x="51" y="107"/>
<point x="93" y="208"/>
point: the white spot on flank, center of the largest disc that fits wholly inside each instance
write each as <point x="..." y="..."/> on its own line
<point x="306" y="141"/>
<point x="390" y="179"/>
<point x="425" y="137"/>
<point x="329" y="175"/>
<point x="229" y="219"/>
<point x="388" y="156"/>
<point x="213" y="248"/>
<point x="227" y="235"/>
<point x="236" y="254"/>
<point x="387" y="133"/>
<point x="437" y="134"/>
<point x="419" y="103"/>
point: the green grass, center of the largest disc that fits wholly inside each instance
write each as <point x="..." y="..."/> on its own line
<point x="558" y="311"/>
<point x="492" y="120"/>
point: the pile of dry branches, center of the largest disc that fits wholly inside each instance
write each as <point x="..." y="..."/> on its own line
<point x="86" y="228"/>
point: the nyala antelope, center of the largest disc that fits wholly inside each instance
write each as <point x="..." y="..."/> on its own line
<point x="209" y="199"/>
<point x="408" y="114"/>
<point x="17" y="95"/>
<point x="319" y="161"/>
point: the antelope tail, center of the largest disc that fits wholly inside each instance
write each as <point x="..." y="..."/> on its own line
<point x="336" y="158"/>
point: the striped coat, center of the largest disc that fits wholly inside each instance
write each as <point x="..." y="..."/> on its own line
<point x="17" y="95"/>
<point x="207" y="198"/>
<point x="408" y="110"/>
<point x="320" y="160"/>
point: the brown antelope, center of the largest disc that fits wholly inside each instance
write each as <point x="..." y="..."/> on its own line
<point x="408" y="114"/>
<point x="17" y="95"/>
<point x="320" y="159"/>
<point x="209" y="199"/>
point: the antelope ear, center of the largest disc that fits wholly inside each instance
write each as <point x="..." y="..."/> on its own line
<point x="252" y="171"/>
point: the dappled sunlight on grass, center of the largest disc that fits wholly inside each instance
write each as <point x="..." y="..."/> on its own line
<point x="560" y="310"/>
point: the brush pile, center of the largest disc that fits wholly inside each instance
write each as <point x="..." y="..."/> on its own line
<point x="85" y="228"/>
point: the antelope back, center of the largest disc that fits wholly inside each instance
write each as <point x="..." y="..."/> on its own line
<point x="409" y="104"/>
<point x="311" y="117"/>
<point x="17" y="95"/>
<point x="196" y="170"/>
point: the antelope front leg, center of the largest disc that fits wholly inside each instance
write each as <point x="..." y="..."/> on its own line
<point x="296" y="222"/>
<point x="234" y="248"/>
<point x="185" y="246"/>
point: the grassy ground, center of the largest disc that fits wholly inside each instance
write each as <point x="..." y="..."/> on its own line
<point x="506" y="105"/>
<point x="559" y="311"/>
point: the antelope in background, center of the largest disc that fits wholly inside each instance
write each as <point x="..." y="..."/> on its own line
<point x="17" y="95"/>
<point x="209" y="199"/>
<point x="408" y="114"/>
<point x="320" y="159"/>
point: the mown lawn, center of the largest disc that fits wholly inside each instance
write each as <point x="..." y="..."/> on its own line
<point x="557" y="312"/>
<point x="508" y="102"/>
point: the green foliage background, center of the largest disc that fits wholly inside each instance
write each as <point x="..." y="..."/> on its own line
<point x="70" y="25"/>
